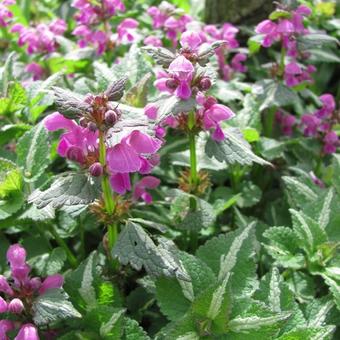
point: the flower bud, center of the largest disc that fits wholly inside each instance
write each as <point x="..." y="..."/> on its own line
<point x="16" y="306"/>
<point x="5" y="326"/>
<point x="96" y="169"/>
<point x="28" y="332"/>
<point x="4" y="286"/>
<point x="3" y="305"/>
<point x="111" y="117"/>
<point x="171" y="84"/>
<point x="75" y="154"/>
<point x="16" y="255"/>
<point x="83" y="122"/>
<point x="92" y="127"/>
<point x="205" y="84"/>
<point x="35" y="283"/>
<point x="20" y="274"/>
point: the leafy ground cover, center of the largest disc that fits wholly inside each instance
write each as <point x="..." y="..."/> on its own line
<point x="162" y="177"/>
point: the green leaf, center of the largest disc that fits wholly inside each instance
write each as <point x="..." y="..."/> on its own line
<point x="232" y="253"/>
<point x="137" y="95"/>
<point x="16" y="99"/>
<point x="254" y="43"/>
<point x="324" y="333"/>
<point x="318" y="310"/>
<point x="190" y="212"/>
<point x="33" y="153"/>
<point x="308" y="231"/>
<point x="278" y="14"/>
<point x="307" y="41"/>
<point x="55" y="262"/>
<point x="7" y="73"/>
<point x="271" y="148"/>
<point x="233" y="149"/>
<point x="12" y="131"/>
<point x="283" y="247"/>
<point x="298" y="192"/>
<point x="67" y="190"/>
<point x="53" y="306"/>
<point x="135" y="246"/>
<point x="86" y="286"/>
<point x="325" y="212"/>
<point x="274" y="94"/>
<point x="334" y="287"/>
<point x="251" y="135"/>
<point x="10" y="177"/>
<point x="247" y="324"/>
<point x="172" y="105"/>
<point x="174" y="296"/>
<point x="132" y="330"/>
<point x="250" y="194"/>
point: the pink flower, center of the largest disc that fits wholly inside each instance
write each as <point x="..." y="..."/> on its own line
<point x="328" y="106"/>
<point x="148" y="182"/>
<point x="270" y="31"/>
<point x="36" y="70"/>
<point x="16" y="255"/>
<point x="120" y="183"/>
<point x="27" y="332"/>
<point x="16" y="306"/>
<point x="182" y="70"/>
<point x="75" y="144"/>
<point x="127" y="33"/>
<point x="4" y="286"/>
<point x="5" y="326"/>
<point x="53" y="281"/>
<point x="3" y="305"/>
<point x="331" y="141"/>
<point x="191" y="40"/>
<point x="152" y="40"/>
<point x="5" y="14"/>
<point x="128" y="155"/>
<point x="236" y="62"/>
<point x="311" y="124"/>
<point x="316" y="180"/>
<point x="287" y="123"/>
<point x="150" y="110"/>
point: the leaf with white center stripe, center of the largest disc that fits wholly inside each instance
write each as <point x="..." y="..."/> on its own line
<point x="246" y="324"/>
<point x="308" y="231"/>
<point x="318" y="310"/>
<point x="233" y="253"/>
<point x="217" y="299"/>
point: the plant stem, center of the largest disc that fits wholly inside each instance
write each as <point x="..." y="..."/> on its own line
<point x="192" y="146"/>
<point x="107" y="192"/>
<point x="70" y="257"/>
<point x="282" y="62"/>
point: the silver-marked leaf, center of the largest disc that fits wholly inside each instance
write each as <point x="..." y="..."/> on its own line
<point x="172" y="105"/>
<point x="207" y="51"/>
<point x="135" y="246"/>
<point x="233" y="253"/>
<point x="161" y="55"/>
<point x="69" y="104"/>
<point x="308" y="231"/>
<point x="67" y="190"/>
<point x="33" y="151"/>
<point x="116" y="89"/>
<point x="251" y="323"/>
<point x="233" y="149"/>
<point x="53" y="306"/>
<point x="283" y="247"/>
<point x="325" y="212"/>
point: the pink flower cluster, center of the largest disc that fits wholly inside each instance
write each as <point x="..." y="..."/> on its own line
<point x="182" y="80"/>
<point x="42" y="38"/>
<point x="318" y="124"/>
<point x="5" y="14"/>
<point x="134" y="152"/>
<point x="286" y="30"/>
<point x="227" y="32"/>
<point x="166" y="17"/>
<point x="19" y="292"/>
<point x="93" y="27"/>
